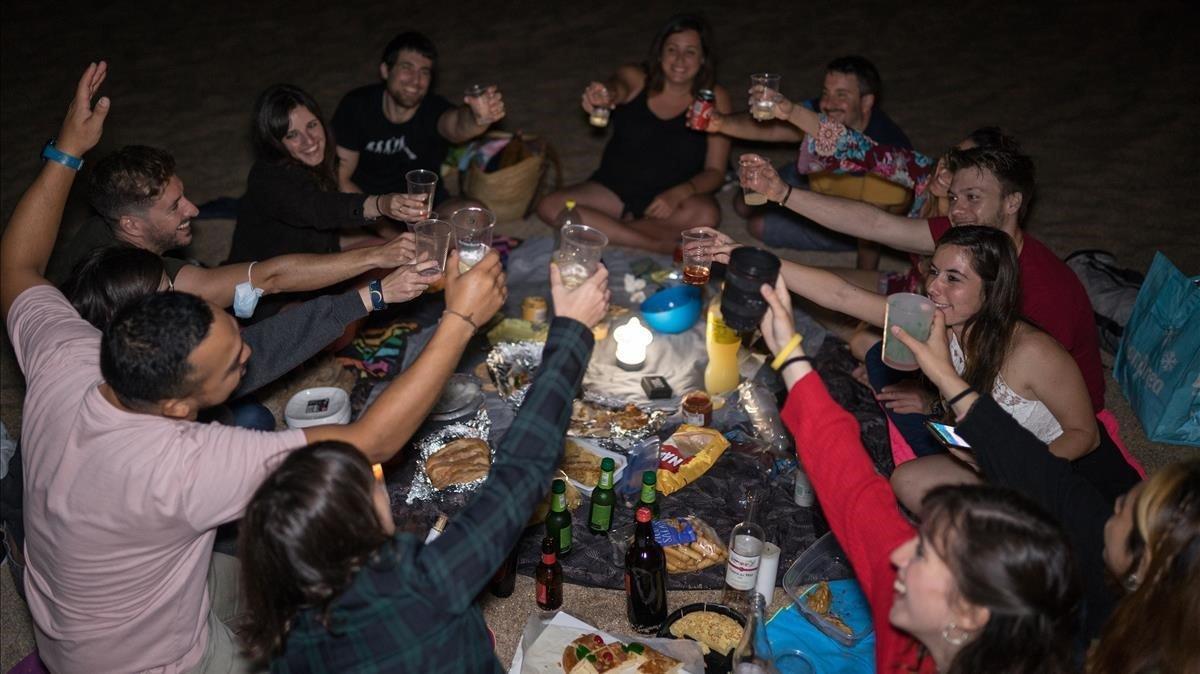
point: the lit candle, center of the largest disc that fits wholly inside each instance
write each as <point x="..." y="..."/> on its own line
<point x="377" y="468"/>
<point x="632" y="340"/>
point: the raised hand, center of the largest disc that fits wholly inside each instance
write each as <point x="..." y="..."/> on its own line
<point x="487" y="108"/>
<point x="399" y="251"/>
<point x="84" y="123"/>
<point x="408" y="281"/>
<point x="478" y="293"/>
<point x="758" y="175"/>
<point x="933" y="355"/>
<point x="587" y="303"/>
<point x="408" y="207"/>
<point x="778" y="325"/>
<point x="722" y="244"/>
<point x="595" y="95"/>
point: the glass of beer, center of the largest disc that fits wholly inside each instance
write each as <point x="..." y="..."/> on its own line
<point x="422" y="184"/>
<point x="749" y="171"/>
<point x="912" y="312"/>
<point x="475" y="90"/>
<point x="762" y="101"/>
<point x="579" y="253"/>
<point x="601" y="113"/>
<point x="697" y="256"/>
<point x="433" y="243"/>
<point x="473" y="227"/>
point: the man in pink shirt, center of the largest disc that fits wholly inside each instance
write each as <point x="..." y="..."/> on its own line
<point x="123" y="489"/>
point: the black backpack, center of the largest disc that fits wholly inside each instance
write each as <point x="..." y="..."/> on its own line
<point x="1112" y="290"/>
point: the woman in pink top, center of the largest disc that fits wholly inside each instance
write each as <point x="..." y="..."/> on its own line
<point x="984" y="584"/>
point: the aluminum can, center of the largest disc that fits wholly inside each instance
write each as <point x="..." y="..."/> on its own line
<point x="701" y="111"/>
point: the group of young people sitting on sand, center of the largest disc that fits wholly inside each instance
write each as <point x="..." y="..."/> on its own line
<point x="1041" y="549"/>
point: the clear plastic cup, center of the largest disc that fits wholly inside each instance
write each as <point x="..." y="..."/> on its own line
<point x="762" y="102"/>
<point x="423" y="184"/>
<point x="749" y="171"/>
<point x="912" y="312"/>
<point x="473" y="227"/>
<point x="697" y="256"/>
<point x="579" y="251"/>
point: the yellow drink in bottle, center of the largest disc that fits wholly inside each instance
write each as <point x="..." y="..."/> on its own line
<point x="721" y="374"/>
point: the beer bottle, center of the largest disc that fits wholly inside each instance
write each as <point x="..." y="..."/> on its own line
<point x="549" y="577"/>
<point x="603" y="498"/>
<point x="505" y="580"/>
<point x="645" y="578"/>
<point x="558" y="521"/>
<point x="650" y="492"/>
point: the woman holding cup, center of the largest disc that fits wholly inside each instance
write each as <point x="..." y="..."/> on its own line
<point x="973" y="281"/>
<point x="657" y="175"/>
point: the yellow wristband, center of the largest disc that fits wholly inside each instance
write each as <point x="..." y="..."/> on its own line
<point x="786" y="351"/>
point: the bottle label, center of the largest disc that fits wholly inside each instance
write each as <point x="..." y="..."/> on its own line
<point x="558" y="503"/>
<point x="601" y="517"/>
<point x="606" y="480"/>
<point x="542" y="593"/>
<point x="804" y="495"/>
<point x="741" y="571"/>
<point x="564" y="540"/>
<point x="693" y="418"/>
<point x="647" y="494"/>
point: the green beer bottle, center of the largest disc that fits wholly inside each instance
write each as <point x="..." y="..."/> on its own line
<point x="603" y="498"/>
<point x="650" y="492"/>
<point x="558" y="522"/>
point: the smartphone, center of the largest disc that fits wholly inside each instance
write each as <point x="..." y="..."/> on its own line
<point x="947" y="436"/>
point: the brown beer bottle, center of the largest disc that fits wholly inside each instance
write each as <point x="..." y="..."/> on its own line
<point x="645" y="577"/>
<point x="549" y="577"/>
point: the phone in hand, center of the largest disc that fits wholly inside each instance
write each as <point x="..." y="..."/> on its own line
<point x="948" y="436"/>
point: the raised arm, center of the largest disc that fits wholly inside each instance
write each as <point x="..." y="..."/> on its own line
<point x="471" y="299"/>
<point x="854" y="218"/>
<point x="833" y="292"/>
<point x="473" y="117"/>
<point x="293" y="273"/>
<point x="29" y="237"/>
<point x="619" y="89"/>
<point x="833" y="146"/>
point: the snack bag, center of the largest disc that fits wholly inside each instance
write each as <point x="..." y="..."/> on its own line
<point x="694" y="545"/>
<point x="687" y="455"/>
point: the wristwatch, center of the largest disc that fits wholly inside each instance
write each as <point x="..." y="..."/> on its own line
<point x="375" y="289"/>
<point x="51" y="153"/>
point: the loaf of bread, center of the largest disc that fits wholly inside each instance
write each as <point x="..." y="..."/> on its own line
<point x="459" y="462"/>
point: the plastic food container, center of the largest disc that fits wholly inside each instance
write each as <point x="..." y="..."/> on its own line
<point x="714" y="661"/>
<point x="825" y="561"/>
<point x="317" y="407"/>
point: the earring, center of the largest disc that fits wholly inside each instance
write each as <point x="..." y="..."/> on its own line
<point x="1132" y="581"/>
<point x="955" y="636"/>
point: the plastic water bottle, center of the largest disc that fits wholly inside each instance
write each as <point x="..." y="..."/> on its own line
<point x="568" y="216"/>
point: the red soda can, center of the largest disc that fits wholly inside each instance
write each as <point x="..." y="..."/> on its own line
<point x="701" y="110"/>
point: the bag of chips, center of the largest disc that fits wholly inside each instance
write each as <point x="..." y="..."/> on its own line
<point x="688" y="543"/>
<point x="687" y="455"/>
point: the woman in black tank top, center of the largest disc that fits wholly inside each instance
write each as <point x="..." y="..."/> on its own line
<point x="656" y="177"/>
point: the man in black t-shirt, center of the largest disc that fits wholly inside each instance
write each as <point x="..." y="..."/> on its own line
<point x="387" y="129"/>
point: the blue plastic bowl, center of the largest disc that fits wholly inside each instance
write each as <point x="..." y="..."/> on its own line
<point x="672" y="310"/>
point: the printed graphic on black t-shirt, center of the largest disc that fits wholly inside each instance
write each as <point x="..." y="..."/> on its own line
<point x="387" y="151"/>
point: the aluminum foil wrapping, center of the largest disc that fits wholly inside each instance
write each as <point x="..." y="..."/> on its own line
<point x="512" y="365"/>
<point x="613" y="431"/>
<point x="760" y="406"/>
<point x="477" y="426"/>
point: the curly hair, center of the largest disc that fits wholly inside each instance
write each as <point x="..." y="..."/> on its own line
<point x="144" y="352"/>
<point x="1010" y="557"/>
<point x="129" y="180"/>
<point x="296" y="549"/>
<point x="1153" y="627"/>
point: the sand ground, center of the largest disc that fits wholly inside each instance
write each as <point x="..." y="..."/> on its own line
<point x="1097" y="92"/>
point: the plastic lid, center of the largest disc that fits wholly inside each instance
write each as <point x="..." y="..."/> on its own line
<point x="649" y="477"/>
<point x="607" y="464"/>
<point x="570" y="203"/>
<point x="643" y="514"/>
<point x="560" y="487"/>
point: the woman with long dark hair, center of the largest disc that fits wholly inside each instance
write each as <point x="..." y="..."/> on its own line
<point x="973" y="280"/>
<point x="984" y="584"/>
<point x="657" y="176"/>
<point x="292" y="203"/>
<point x="1140" y="560"/>
<point x="327" y="577"/>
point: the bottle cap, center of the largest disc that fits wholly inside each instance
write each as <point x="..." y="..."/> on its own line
<point x="570" y="203"/>
<point x="643" y="514"/>
<point x="549" y="549"/>
<point x="649" y="477"/>
<point x="608" y="464"/>
<point x="560" y="487"/>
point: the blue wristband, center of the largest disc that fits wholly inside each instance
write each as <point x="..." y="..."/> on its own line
<point x="375" y="289"/>
<point x="56" y="155"/>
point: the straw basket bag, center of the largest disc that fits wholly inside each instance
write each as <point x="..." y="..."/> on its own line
<point x="509" y="191"/>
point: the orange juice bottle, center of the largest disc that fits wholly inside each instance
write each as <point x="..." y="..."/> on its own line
<point x="721" y="374"/>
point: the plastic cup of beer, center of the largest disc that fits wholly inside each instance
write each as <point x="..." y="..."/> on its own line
<point x="475" y="90"/>
<point x="600" y="115"/>
<point x="762" y="102"/>
<point x="433" y="243"/>
<point x="422" y="184"/>
<point x="697" y="251"/>
<point x="473" y="227"/>
<point x="578" y="255"/>
<point x="912" y="312"/>
<point x="750" y="171"/>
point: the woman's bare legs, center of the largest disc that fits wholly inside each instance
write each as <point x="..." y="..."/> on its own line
<point x="601" y="208"/>
<point x="912" y="480"/>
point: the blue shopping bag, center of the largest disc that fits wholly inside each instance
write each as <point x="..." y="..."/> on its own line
<point x="1158" y="364"/>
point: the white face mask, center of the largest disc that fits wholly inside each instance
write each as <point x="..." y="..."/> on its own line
<point x="245" y="296"/>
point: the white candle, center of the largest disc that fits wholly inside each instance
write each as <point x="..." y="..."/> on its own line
<point x="632" y="340"/>
<point x="768" y="567"/>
